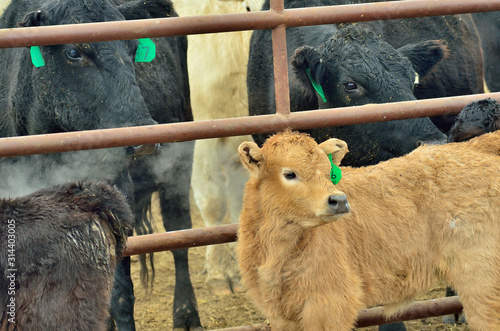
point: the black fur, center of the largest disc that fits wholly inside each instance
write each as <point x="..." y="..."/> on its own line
<point x="66" y="242"/>
<point x="475" y="119"/>
<point x="488" y="26"/>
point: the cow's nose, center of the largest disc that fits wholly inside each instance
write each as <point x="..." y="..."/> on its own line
<point x="339" y="204"/>
<point x="139" y="150"/>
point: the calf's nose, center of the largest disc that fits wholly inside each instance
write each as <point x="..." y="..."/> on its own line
<point x="339" y="204"/>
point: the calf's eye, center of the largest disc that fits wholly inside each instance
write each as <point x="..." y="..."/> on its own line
<point x="290" y="175"/>
<point x="350" y="86"/>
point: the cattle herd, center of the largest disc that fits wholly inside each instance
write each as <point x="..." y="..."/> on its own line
<point x="418" y="200"/>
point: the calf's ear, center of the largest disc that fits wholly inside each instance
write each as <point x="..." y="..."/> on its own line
<point x="251" y="157"/>
<point x="309" y="68"/>
<point x="425" y="55"/>
<point x="336" y="147"/>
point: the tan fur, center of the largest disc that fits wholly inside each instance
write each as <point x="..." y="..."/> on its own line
<point x="217" y="65"/>
<point x="431" y="215"/>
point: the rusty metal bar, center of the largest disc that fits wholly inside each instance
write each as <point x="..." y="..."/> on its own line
<point x="254" y="327"/>
<point x="166" y="241"/>
<point x="84" y="140"/>
<point x="374" y="316"/>
<point x="93" y="32"/>
<point x="281" y="83"/>
<point x="277" y="5"/>
<point x="280" y="62"/>
<point x="418" y="310"/>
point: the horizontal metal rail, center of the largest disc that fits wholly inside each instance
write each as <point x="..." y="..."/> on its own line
<point x="374" y="316"/>
<point x="228" y="233"/>
<point x="166" y="241"/>
<point x="175" y="26"/>
<point x="84" y="140"/>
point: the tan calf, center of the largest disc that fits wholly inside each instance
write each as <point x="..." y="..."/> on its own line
<point x="431" y="215"/>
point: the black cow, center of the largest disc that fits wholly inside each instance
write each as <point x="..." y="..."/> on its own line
<point x="94" y="86"/>
<point x="488" y="27"/>
<point x="372" y="62"/>
<point x="59" y="247"/>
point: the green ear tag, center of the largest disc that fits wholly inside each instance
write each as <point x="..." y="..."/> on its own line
<point x="316" y="86"/>
<point x="146" y="51"/>
<point x="36" y="56"/>
<point x="335" y="172"/>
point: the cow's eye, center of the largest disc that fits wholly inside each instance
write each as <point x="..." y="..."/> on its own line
<point x="350" y="86"/>
<point x="73" y="54"/>
<point x="290" y="175"/>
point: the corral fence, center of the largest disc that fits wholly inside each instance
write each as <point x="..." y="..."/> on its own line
<point x="277" y="19"/>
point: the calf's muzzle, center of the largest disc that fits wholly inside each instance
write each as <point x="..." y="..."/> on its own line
<point x="338" y="204"/>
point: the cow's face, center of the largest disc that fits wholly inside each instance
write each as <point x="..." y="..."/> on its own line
<point x="355" y="68"/>
<point x="90" y="85"/>
<point x="293" y="176"/>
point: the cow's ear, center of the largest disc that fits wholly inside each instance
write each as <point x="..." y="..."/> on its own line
<point x="336" y="147"/>
<point x="251" y="157"/>
<point x="309" y="68"/>
<point x="34" y="18"/>
<point x="143" y="9"/>
<point x="425" y="55"/>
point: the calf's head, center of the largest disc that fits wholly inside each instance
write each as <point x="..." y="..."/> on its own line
<point x="292" y="175"/>
<point x="355" y="67"/>
<point x="475" y="119"/>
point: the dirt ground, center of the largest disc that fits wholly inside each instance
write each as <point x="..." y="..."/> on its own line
<point x="154" y="312"/>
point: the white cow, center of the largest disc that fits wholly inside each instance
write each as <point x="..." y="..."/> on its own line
<point x="217" y="65"/>
<point x="3" y="5"/>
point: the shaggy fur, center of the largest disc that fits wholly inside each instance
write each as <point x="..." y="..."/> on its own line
<point x="475" y="119"/>
<point x="430" y="215"/>
<point x="68" y="240"/>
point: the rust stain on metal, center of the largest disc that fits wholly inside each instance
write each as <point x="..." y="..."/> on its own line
<point x="175" y="26"/>
<point x="165" y="133"/>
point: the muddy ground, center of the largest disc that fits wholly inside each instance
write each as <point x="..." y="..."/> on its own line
<point x="154" y="312"/>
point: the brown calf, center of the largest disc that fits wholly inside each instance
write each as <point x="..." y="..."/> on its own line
<point x="431" y="215"/>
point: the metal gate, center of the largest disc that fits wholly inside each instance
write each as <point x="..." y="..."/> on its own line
<point x="277" y="19"/>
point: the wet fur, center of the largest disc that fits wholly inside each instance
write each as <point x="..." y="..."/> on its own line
<point x="69" y="239"/>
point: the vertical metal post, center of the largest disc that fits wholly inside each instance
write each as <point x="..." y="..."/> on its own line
<point x="281" y="84"/>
